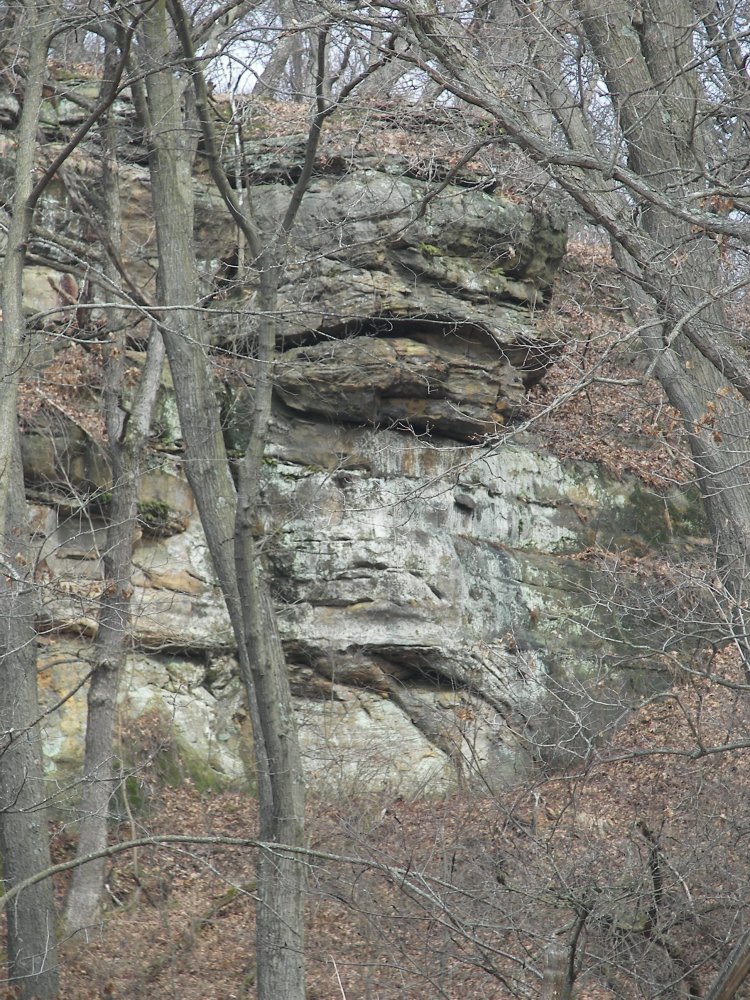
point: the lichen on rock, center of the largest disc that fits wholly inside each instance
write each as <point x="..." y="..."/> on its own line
<point x="428" y="575"/>
<point x="377" y="329"/>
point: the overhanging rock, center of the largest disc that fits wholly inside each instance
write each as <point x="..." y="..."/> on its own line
<point x="405" y="302"/>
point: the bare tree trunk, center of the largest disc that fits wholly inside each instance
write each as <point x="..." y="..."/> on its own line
<point x="288" y="45"/>
<point x="735" y="971"/>
<point x="171" y="159"/>
<point x="228" y="528"/>
<point x="24" y="838"/>
<point x="555" y="985"/>
<point x="280" y="917"/>
<point x="126" y="443"/>
<point x="127" y="434"/>
<point x="24" y="842"/>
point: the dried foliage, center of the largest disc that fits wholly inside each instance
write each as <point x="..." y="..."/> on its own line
<point x="641" y="853"/>
<point x="69" y="387"/>
<point x="637" y="857"/>
<point x="597" y="403"/>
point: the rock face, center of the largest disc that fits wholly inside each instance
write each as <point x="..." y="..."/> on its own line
<point x="433" y="595"/>
<point x="415" y="306"/>
<point x="439" y="616"/>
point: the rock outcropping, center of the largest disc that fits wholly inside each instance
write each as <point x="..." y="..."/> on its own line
<point x="414" y="305"/>
<point x="437" y="611"/>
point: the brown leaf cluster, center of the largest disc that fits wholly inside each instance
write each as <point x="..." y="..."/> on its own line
<point x="69" y="386"/>
<point x="597" y="404"/>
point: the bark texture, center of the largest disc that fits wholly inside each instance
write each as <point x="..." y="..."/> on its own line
<point x="125" y="442"/>
<point x="24" y="845"/>
<point x="227" y="523"/>
<point x="24" y="839"/>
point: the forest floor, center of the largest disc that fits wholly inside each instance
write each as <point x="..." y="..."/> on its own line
<point x="640" y="852"/>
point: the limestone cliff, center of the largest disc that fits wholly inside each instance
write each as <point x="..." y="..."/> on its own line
<point x="438" y="613"/>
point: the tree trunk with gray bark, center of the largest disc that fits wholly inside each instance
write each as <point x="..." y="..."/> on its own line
<point x="228" y="528"/>
<point x="126" y="435"/>
<point x="24" y="838"/>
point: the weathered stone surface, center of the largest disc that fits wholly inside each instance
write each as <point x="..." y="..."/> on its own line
<point x="431" y="582"/>
<point x="401" y="382"/>
<point x="202" y="712"/>
<point x="428" y="595"/>
<point x="415" y="308"/>
<point x="450" y="273"/>
<point x="378" y="238"/>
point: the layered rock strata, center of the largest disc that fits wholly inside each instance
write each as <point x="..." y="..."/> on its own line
<point x="433" y="595"/>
